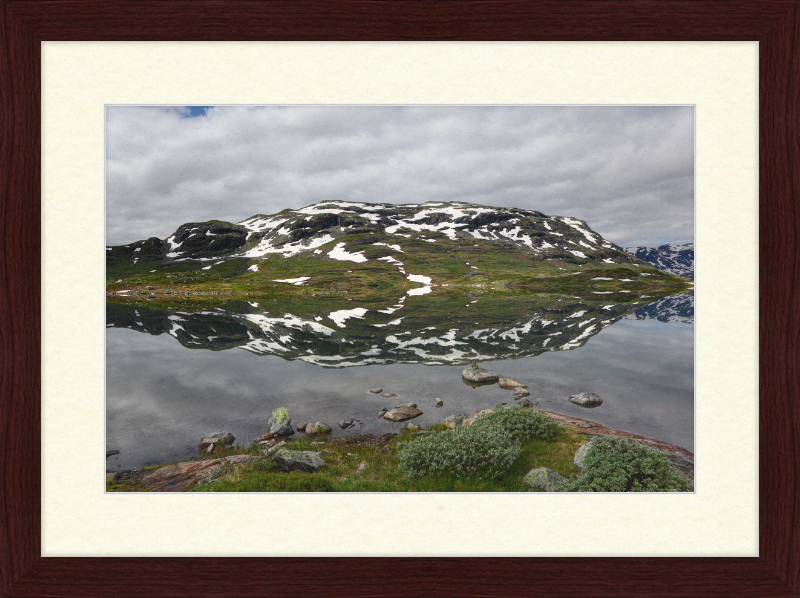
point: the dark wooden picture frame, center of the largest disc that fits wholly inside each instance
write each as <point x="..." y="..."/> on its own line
<point x="774" y="24"/>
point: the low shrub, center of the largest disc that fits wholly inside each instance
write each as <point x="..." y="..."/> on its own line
<point x="520" y="423"/>
<point x="280" y="415"/>
<point x="623" y="465"/>
<point x="485" y="451"/>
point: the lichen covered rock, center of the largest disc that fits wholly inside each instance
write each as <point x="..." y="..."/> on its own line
<point x="543" y="478"/>
<point x="306" y="461"/>
<point x="586" y="399"/>
<point x="580" y="455"/>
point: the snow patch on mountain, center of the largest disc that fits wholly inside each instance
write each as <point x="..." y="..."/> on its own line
<point x="340" y="253"/>
<point x="294" y="281"/>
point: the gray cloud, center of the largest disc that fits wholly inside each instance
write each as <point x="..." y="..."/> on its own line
<point x="627" y="171"/>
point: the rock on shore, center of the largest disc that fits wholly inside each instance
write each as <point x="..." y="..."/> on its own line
<point x="306" y="461"/>
<point x="211" y="440"/>
<point x="178" y="477"/>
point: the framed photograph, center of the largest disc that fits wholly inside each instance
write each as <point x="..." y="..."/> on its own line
<point x="340" y="338"/>
<point x="61" y="527"/>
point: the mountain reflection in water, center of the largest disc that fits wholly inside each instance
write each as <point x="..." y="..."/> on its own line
<point x="162" y="398"/>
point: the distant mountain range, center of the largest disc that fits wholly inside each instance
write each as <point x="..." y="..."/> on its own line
<point x="675" y="259"/>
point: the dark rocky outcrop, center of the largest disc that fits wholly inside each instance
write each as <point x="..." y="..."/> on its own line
<point x="305" y="461"/>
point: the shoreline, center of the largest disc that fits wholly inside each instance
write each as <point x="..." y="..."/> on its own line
<point x="681" y="458"/>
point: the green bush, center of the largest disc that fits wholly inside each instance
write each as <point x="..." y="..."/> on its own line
<point x="623" y="465"/>
<point x="485" y="451"/>
<point x="280" y="415"/>
<point x="520" y="423"/>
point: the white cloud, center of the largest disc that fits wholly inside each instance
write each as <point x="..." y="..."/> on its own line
<point x="627" y="171"/>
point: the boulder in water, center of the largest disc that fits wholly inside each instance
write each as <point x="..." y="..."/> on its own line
<point x="479" y="375"/>
<point x="586" y="399"/>
<point x="401" y="414"/>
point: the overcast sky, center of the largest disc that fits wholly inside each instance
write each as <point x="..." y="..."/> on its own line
<point x="627" y="171"/>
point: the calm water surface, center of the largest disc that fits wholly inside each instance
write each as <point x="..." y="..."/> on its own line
<point x="163" y="396"/>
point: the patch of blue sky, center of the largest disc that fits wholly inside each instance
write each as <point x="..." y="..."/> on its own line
<point x="194" y="111"/>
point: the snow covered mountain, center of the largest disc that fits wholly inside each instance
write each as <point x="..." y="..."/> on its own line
<point x="675" y="259"/>
<point x="339" y="230"/>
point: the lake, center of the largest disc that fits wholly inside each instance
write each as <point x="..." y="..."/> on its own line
<point x="174" y="375"/>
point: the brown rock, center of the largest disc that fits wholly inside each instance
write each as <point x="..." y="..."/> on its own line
<point x="509" y="384"/>
<point x="401" y="414"/>
<point x="178" y="477"/>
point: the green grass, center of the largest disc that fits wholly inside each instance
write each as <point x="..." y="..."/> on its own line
<point x="383" y="475"/>
<point x="497" y="266"/>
